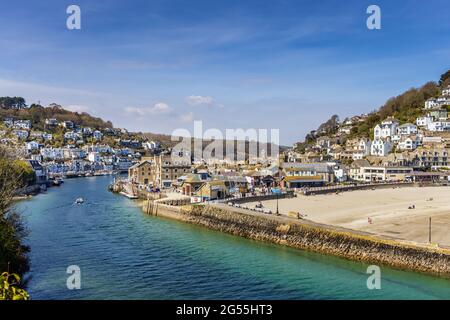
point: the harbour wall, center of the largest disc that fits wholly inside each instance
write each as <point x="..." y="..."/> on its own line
<point x="307" y="235"/>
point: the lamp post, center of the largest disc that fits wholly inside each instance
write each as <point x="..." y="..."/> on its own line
<point x="277" y="205"/>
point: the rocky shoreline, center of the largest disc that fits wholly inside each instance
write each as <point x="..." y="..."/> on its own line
<point x="311" y="236"/>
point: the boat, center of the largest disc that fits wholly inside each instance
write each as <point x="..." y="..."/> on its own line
<point x="79" y="201"/>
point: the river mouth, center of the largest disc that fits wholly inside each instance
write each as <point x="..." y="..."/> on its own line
<point x="125" y="254"/>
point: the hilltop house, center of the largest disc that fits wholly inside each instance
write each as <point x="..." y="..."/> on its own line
<point x="407" y="129"/>
<point x="68" y="124"/>
<point x="22" y="124"/>
<point x="437" y="102"/>
<point x="386" y="129"/>
<point x="446" y="91"/>
<point x="51" y="123"/>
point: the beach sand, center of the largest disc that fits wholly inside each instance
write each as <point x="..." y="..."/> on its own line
<point x="387" y="208"/>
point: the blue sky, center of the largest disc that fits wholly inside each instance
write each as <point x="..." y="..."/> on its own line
<point x="156" y="66"/>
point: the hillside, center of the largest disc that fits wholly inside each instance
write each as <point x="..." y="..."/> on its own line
<point x="16" y="108"/>
<point x="405" y="107"/>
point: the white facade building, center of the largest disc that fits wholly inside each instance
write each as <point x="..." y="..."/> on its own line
<point x="439" y="126"/>
<point x="94" y="157"/>
<point x="446" y="91"/>
<point x="32" y="145"/>
<point x="409" y="143"/>
<point x="407" y="129"/>
<point x="386" y="129"/>
<point x="424" y="121"/>
<point x="380" y="148"/>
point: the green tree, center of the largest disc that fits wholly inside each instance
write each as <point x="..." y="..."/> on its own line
<point x="13" y="252"/>
<point x="444" y="80"/>
<point x="10" y="287"/>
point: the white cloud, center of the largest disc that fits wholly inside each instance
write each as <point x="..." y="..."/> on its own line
<point x="200" y="100"/>
<point x="188" y="117"/>
<point x="157" y="108"/>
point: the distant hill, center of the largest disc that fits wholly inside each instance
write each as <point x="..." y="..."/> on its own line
<point x="16" y="108"/>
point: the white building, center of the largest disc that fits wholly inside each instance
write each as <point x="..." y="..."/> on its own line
<point x="21" y="134"/>
<point x="424" y="121"/>
<point x="364" y="146"/>
<point x="51" y="122"/>
<point x="22" y="124"/>
<point x="446" y="91"/>
<point x="439" y="126"/>
<point x="52" y="153"/>
<point x="71" y="135"/>
<point x="407" y="129"/>
<point x="32" y="145"/>
<point x="94" y="157"/>
<point x="409" y="143"/>
<point x="386" y="129"/>
<point x="380" y="147"/>
<point x="97" y="135"/>
<point x="433" y="103"/>
<point x="151" y="145"/>
<point x="373" y="174"/>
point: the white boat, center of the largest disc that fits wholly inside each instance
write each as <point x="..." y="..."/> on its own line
<point x="79" y="201"/>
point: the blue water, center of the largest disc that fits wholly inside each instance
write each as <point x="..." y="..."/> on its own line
<point x="125" y="254"/>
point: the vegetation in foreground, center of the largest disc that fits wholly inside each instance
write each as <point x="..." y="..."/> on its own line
<point x="13" y="252"/>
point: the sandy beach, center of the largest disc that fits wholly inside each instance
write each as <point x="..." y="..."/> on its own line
<point x="387" y="208"/>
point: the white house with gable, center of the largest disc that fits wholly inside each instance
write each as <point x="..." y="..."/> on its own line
<point x="386" y="129"/>
<point x="380" y="147"/>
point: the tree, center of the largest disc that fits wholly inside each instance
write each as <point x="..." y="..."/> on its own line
<point x="10" y="287"/>
<point x="445" y="79"/>
<point x="12" y="102"/>
<point x="13" y="253"/>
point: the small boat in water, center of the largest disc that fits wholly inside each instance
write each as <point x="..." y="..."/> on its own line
<point x="79" y="201"/>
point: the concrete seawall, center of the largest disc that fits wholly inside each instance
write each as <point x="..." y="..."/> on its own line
<point x="311" y="236"/>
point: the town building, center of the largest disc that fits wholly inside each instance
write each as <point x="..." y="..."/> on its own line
<point x="380" y="147"/>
